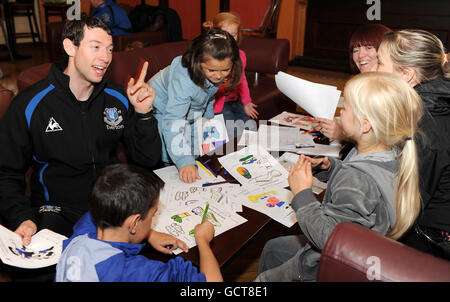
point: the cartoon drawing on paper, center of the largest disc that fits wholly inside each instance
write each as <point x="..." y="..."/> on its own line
<point x="179" y="218"/>
<point x="212" y="133"/>
<point x="244" y="172"/>
<point x="27" y="253"/>
<point x="273" y="201"/>
<point x="255" y="198"/>
<point x="175" y="229"/>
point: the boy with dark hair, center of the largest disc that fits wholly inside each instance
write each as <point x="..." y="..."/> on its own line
<point x="106" y="240"/>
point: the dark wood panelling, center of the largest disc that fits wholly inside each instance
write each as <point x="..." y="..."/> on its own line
<point x="224" y="5"/>
<point x="330" y="23"/>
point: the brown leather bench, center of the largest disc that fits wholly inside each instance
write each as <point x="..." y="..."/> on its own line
<point x="356" y="254"/>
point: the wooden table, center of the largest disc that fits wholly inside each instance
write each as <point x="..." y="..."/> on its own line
<point x="229" y="243"/>
<point x="226" y="244"/>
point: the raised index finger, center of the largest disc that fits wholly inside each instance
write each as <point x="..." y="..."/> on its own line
<point x="143" y="72"/>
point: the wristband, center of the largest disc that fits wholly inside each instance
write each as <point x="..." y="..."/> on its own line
<point x="145" y="116"/>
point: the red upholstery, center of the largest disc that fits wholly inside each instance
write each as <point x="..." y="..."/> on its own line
<point x="264" y="56"/>
<point x="346" y="257"/>
<point x="32" y="75"/>
<point x="127" y="63"/>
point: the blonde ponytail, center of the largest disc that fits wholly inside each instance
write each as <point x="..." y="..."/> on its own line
<point x="408" y="195"/>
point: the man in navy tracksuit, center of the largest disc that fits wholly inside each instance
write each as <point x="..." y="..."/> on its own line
<point x="67" y="127"/>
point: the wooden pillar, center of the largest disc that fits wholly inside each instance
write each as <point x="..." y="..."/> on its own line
<point x="291" y="25"/>
<point x="224" y="5"/>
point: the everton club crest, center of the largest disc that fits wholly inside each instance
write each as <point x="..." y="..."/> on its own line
<point x="113" y="118"/>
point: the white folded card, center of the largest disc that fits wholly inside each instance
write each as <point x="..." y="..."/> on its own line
<point x="317" y="99"/>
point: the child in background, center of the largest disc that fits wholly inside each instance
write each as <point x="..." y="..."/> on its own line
<point x="106" y="240"/>
<point x="376" y="186"/>
<point x="227" y="100"/>
<point x="185" y="91"/>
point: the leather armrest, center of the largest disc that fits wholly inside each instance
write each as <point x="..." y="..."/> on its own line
<point x="355" y="253"/>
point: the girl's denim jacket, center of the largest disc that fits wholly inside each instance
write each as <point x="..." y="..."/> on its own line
<point x="179" y="101"/>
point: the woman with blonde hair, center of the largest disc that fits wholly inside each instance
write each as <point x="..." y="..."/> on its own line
<point x="376" y="186"/>
<point x="420" y="59"/>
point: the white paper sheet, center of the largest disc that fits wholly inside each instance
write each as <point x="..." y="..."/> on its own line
<point x="331" y="150"/>
<point x="253" y="166"/>
<point x="317" y="99"/>
<point x="44" y="250"/>
<point x="275" y="138"/>
<point x="251" y="138"/>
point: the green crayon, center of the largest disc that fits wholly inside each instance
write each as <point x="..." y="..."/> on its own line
<point x="204" y="213"/>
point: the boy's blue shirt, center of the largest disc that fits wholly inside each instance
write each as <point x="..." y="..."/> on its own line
<point x="85" y="258"/>
<point x="179" y="101"/>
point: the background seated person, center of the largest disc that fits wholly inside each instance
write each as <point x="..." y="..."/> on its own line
<point x="113" y="15"/>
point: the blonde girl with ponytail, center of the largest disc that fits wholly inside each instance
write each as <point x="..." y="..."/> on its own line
<point x="376" y="186"/>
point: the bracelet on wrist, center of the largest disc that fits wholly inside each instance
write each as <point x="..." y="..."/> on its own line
<point x="145" y="116"/>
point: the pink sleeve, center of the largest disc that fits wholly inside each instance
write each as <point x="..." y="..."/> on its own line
<point x="244" y="92"/>
<point x="219" y="100"/>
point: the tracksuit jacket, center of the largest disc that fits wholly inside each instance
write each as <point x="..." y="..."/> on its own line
<point x="67" y="143"/>
<point x="88" y="259"/>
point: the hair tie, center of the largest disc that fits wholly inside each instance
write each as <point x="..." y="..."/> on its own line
<point x="409" y="138"/>
<point x="219" y="36"/>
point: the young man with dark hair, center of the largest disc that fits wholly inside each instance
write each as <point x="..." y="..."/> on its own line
<point x="106" y="240"/>
<point x="67" y="128"/>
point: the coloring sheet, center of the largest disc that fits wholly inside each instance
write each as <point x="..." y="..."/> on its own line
<point x="181" y="222"/>
<point x="293" y="120"/>
<point x="44" y="250"/>
<point x="254" y="167"/>
<point x="212" y="133"/>
<point x="177" y="197"/>
<point x="170" y="176"/>
<point x="288" y="160"/>
<point x="274" y="202"/>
